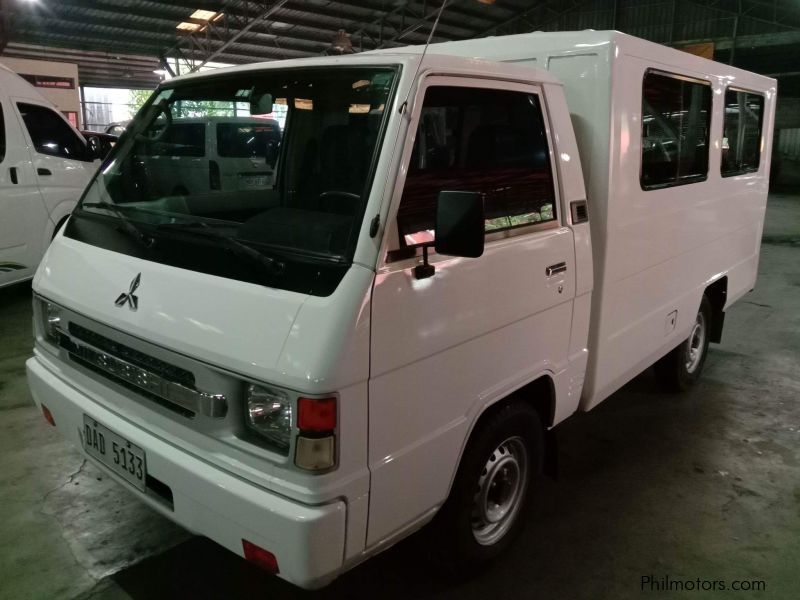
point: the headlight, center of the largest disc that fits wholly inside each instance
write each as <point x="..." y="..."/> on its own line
<point x="269" y="412"/>
<point x="51" y="321"/>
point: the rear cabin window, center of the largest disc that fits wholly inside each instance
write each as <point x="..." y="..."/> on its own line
<point x="249" y="140"/>
<point x="675" y="130"/>
<point x="478" y="140"/>
<point x="741" y="137"/>
<point x="51" y="134"/>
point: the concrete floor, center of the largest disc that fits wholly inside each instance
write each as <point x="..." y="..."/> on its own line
<point x="700" y="485"/>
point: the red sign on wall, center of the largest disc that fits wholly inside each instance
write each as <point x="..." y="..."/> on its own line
<point x="49" y="81"/>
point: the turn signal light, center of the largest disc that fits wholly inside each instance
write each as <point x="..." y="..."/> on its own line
<point x="315" y="447"/>
<point x="316" y="414"/>
<point x="315" y="454"/>
<point x="48" y="416"/>
<point x="260" y="557"/>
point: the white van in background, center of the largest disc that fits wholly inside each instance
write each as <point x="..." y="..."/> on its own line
<point x="456" y="254"/>
<point x="45" y="165"/>
<point x="202" y="155"/>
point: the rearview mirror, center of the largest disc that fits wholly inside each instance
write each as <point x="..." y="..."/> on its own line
<point x="260" y="103"/>
<point x="459" y="224"/>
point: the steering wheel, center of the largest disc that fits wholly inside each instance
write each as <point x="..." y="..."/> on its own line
<point x="329" y="205"/>
<point x="155" y="136"/>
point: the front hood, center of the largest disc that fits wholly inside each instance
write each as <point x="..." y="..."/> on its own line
<point x="231" y="324"/>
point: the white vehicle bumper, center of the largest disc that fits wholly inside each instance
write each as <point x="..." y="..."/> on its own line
<point x="308" y="541"/>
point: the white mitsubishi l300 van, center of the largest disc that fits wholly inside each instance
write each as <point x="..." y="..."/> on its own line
<point x="382" y="335"/>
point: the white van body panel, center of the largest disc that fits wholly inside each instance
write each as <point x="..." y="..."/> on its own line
<point x="654" y="251"/>
<point x="32" y="207"/>
<point x="203" y="312"/>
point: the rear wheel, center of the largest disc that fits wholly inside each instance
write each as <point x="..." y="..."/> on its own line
<point x="680" y="369"/>
<point x="485" y="509"/>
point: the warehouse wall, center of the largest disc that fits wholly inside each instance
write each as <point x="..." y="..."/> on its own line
<point x="66" y="100"/>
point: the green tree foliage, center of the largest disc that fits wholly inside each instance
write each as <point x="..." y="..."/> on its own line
<point x="137" y="100"/>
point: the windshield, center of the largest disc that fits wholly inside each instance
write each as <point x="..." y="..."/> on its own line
<point x="280" y="160"/>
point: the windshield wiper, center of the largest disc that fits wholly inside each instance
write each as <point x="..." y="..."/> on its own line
<point x="271" y="265"/>
<point x="127" y="225"/>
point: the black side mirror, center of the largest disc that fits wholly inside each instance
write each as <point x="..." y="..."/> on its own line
<point x="460" y="228"/>
<point x="460" y="224"/>
<point x="93" y="150"/>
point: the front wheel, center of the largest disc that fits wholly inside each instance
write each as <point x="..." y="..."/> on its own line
<point x="485" y="509"/>
<point x="680" y="369"/>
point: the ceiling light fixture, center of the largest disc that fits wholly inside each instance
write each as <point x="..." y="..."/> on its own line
<point x="199" y="15"/>
<point x="203" y="15"/>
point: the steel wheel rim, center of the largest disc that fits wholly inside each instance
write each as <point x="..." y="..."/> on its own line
<point x="696" y="344"/>
<point x="500" y="490"/>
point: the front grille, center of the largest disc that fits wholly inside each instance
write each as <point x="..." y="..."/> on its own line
<point x="170" y="386"/>
<point x="140" y="359"/>
<point x="129" y="386"/>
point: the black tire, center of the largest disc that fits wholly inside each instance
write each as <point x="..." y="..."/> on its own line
<point x="462" y="533"/>
<point x="680" y="369"/>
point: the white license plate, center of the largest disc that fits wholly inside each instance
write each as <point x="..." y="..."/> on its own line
<point x="115" y="452"/>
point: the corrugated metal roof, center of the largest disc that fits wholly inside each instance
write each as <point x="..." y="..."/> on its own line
<point x="252" y="30"/>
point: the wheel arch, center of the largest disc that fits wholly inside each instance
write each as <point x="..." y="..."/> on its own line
<point x="717" y="294"/>
<point x="58" y="226"/>
<point x="539" y="394"/>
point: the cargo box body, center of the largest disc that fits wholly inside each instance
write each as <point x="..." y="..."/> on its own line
<point x="654" y="250"/>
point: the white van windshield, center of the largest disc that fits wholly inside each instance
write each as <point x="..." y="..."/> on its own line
<point x="277" y="163"/>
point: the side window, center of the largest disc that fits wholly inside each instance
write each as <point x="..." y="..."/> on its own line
<point x="480" y="140"/>
<point x="2" y="135"/>
<point x="741" y="137"/>
<point x="675" y="130"/>
<point x="50" y="134"/>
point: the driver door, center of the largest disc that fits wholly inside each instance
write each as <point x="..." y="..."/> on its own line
<point x="446" y="346"/>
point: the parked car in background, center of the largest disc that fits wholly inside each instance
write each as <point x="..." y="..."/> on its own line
<point x="202" y="155"/>
<point x="117" y="129"/>
<point x="44" y="166"/>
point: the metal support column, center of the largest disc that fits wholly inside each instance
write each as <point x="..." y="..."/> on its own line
<point x="3" y="25"/>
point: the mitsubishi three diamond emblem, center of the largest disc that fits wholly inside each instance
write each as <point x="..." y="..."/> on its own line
<point x="130" y="298"/>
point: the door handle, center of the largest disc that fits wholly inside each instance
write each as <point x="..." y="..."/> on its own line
<point x="555" y="269"/>
<point x="12" y="172"/>
<point x="44" y="172"/>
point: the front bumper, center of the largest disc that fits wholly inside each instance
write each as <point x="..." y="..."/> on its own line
<point x="308" y="541"/>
